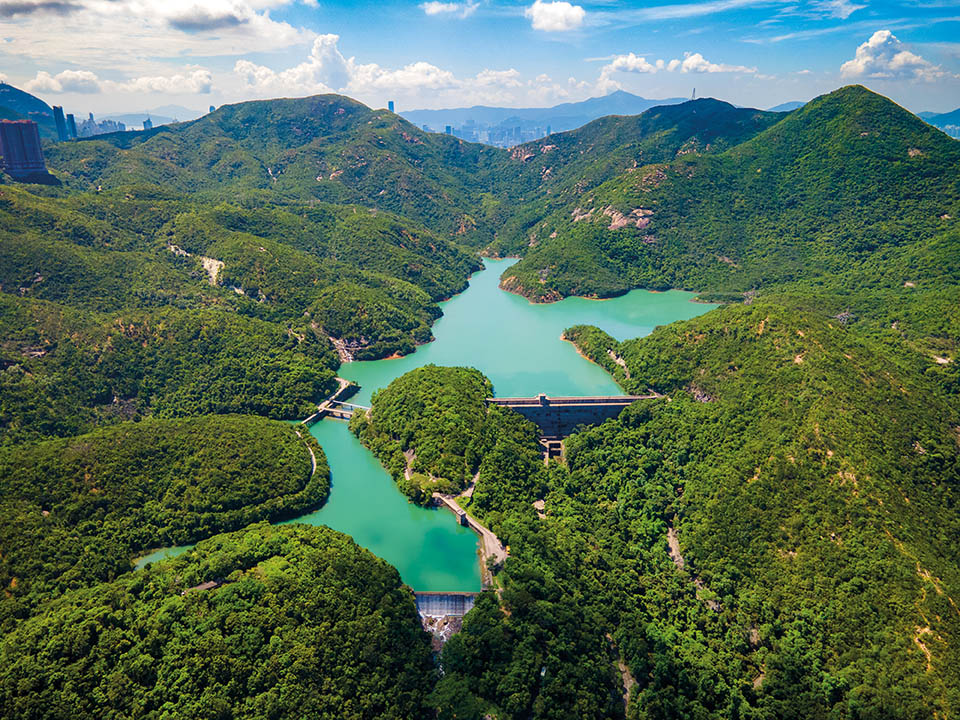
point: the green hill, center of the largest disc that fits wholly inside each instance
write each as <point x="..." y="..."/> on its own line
<point x="76" y="510"/>
<point x="17" y="104"/>
<point x="560" y="168"/>
<point x="324" y="148"/>
<point x="301" y="622"/>
<point x="830" y="185"/>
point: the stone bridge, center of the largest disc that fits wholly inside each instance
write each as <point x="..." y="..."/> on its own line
<point x="557" y="417"/>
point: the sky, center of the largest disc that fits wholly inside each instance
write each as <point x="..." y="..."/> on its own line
<point x="106" y="56"/>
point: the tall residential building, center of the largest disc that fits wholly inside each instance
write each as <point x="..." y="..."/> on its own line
<point x="148" y="124"/>
<point x="61" y="122"/>
<point x="448" y="130"/>
<point x="20" y="147"/>
<point x="390" y="105"/>
<point x="71" y="126"/>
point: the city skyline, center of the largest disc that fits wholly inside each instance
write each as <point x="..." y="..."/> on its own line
<point x="449" y="54"/>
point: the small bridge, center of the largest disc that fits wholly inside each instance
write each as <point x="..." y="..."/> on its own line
<point x="335" y="405"/>
<point x="558" y="417"/>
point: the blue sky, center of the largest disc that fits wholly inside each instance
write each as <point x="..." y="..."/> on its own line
<point x="129" y="55"/>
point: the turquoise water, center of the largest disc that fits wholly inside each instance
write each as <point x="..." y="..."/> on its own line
<point x="514" y="343"/>
<point x="517" y="344"/>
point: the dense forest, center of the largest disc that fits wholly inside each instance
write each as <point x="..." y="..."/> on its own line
<point x="848" y="176"/>
<point x="432" y="430"/>
<point x="77" y="509"/>
<point x="267" y="622"/>
<point x="776" y="537"/>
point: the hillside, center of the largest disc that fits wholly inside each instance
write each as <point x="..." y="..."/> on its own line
<point x="561" y="168"/>
<point x="78" y="509"/>
<point x="16" y="104"/>
<point x="273" y="637"/>
<point x="324" y="148"/>
<point x="847" y="176"/>
<point x="775" y="538"/>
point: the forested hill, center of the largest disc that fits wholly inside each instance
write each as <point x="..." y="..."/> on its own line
<point x="558" y="169"/>
<point x="827" y="187"/>
<point x="326" y="147"/>
<point x="269" y="622"/>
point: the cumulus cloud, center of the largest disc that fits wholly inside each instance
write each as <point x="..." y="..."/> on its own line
<point x="420" y="83"/>
<point x="460" y="9"/>
<point x="884" y="56"/>
<point x="691" y="63"/>
<point x="158" y="29"/>
<point x="77" y="81"/>
<point x="195" y="80"/>
<point x="198" y="82"/>
<point x="325" y="70"/>
<point x="559" y="16"/>
<point x="696" y="63"/>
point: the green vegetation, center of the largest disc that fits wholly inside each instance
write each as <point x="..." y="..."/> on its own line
<point x="826" y="189"/>
<point x="76" y="510"/>
<point x="324" y="148"/>
<point x="304" y="623"/>
<point x="776" y="538"/>
<point x="433" y="432"/>
<point x="806" y="472"/>
<point x="66" y="370"/>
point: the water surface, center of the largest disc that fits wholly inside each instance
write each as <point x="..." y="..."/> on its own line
<point x="514" y="343"/>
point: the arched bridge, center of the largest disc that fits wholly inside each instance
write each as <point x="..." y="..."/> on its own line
<point x="557" y="417"/>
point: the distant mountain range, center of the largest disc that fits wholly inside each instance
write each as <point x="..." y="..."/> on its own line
<point x="510" y="126"/>
<point x="787" y="106"/>
<point x="949" y="122"/>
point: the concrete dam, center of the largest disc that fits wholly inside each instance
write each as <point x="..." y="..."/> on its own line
<point x="558" y="417"/>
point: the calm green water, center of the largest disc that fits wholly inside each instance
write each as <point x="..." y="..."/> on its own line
<point x="517" y="344"/>
<point x="514" y="343"/>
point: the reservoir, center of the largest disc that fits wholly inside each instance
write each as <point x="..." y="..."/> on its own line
<point x="517" y="345"/>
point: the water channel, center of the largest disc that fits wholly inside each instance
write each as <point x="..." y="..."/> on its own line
<point x="514" y="343"/>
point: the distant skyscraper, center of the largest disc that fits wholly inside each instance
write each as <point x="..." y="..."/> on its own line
<point x="390" y="105"/>
<point x="148" y="124"/>
<point x="20" y="147"/>
<point x="448" y="130"/>
<point x="71" y="126"/>
<point x="426" y="128"/>
<point x="61" y="123"/>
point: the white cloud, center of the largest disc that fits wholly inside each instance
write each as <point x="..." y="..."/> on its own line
<point x="196" y="82"/>
<point x="461" y="9"/>
<point x="884" y="56"/>
<point x="559" y="16"/>
<point x="418" y="84"/>
<point x="691" y="63"/>
<point x="504" y="78"/>
<point x="77" y="81"/>
<point x="696" y="63"/>
<point x="171" y="28"/>
<point x="192" y="81"/>
<point x="3" y="77"/>
<point x="840" y="9"/>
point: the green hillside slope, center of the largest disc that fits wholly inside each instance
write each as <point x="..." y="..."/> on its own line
<point x="560" y="168"/>
<point x="76" y="510"/>
<point x="303" y="624"/>
<point x="327" y="148"/>
<point x="827" y="187"/>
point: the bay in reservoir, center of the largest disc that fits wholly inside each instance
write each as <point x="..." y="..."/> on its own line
<point x="517" y="345"/>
